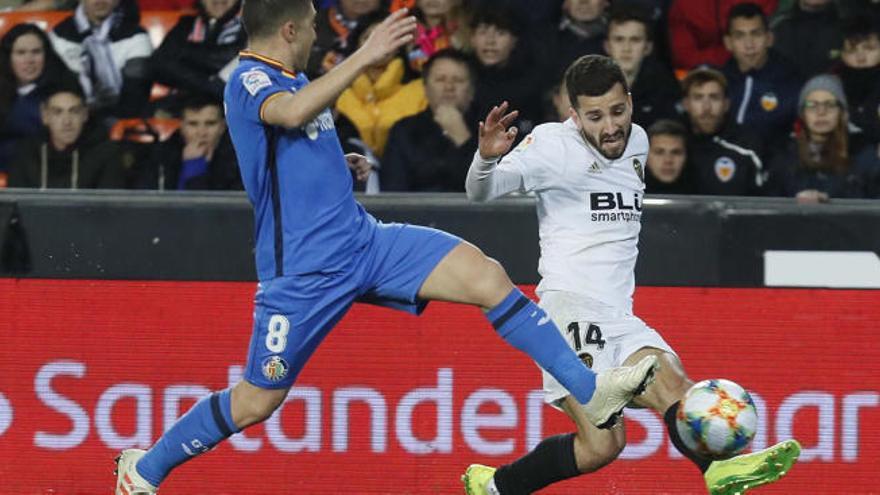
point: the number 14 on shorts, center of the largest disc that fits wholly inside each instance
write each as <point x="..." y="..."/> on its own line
<point x="581" y="339"/>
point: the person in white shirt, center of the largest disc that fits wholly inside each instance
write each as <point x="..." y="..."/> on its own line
<point x="587" y="175"/>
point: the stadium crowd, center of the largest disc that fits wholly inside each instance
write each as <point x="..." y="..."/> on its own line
<point x="771" y="97"/>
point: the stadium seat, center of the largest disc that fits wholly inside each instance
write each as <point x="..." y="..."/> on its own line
<point x="399" y="4"/>
<point x="156" y="22"/>
<point x="144" y="131"/>
<point x="159" y="22"/>
<point x="45" y="19"/>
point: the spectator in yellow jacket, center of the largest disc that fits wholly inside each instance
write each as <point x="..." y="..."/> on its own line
<point x="380" y="97"/>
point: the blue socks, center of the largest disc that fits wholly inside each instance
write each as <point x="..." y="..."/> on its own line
<point x="208" y="423"/>
<point x="525" y="326"/>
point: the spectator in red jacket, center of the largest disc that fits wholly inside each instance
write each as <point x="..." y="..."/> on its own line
<point x="696" y="30"/>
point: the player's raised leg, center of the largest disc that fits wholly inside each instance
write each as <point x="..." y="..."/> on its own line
<point x="310" y="304"/>
<point x="466" y="275"/>
<point x="212" y="420"/>
<point x="726" y="477"/>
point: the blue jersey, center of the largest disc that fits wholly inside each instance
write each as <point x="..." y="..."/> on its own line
<point x="306" y="217"/>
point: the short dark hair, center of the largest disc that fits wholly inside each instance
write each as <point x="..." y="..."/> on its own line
<point x="859" y="28"/>
<point x="701" y="76"/>
<point x="747" y="10"/>
<point x="624" y="12"/>
<point x="51" y="90"/>
<point x="668" y="127"/>
<point x="453" y="55"/>
<point x="593" y="75"/>
<point x="262" y="17"/>
<point x="498" y="16"/>
<point x="198" y="101"/>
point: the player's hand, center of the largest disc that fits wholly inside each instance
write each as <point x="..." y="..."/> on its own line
<point x="496" y="134"/>
<point x="360" y="165"/>
<point x="395" y="31"/>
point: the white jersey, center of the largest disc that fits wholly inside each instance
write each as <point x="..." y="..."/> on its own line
<point x="589" y="208"/>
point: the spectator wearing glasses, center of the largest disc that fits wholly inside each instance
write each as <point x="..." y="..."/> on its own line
<point x="822" y="160"/>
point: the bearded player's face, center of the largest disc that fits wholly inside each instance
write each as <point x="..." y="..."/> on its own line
<point x="605" y="121"/>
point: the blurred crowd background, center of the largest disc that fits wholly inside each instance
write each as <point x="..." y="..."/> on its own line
<point x="763" y="98"/>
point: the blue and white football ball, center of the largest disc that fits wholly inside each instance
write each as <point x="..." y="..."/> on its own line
<point x="717" y="419"/>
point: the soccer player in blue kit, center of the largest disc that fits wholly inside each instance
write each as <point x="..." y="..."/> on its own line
<point x="318" y="251"/>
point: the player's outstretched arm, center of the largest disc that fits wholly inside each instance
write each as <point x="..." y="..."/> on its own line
<point x="292" y="110"/>
<point x="496" y="136"/>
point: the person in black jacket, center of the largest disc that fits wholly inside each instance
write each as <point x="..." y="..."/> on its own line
<point x="666" y="171"/>
<point x="630" y="42"/>
<point x="723" y="157"/>
<point x="28" y="65"/>
<point x="198" y="156"/>
<point x="72" y="155"/>
<point x="199" y="52"/>
<point x="763" y="86"/>
<point x="859" y="69"/>
<point x="432" y="150"/>
<point x="809" y="35"/>
<point x="506" y="68"/>
<point x="580" y="31"/>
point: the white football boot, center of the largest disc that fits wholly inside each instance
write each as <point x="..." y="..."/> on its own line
<point x="615" y="388"/>
<point x="128" y="481"/>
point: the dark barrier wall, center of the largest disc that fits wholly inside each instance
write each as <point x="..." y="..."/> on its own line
<point x="133" y="235"/>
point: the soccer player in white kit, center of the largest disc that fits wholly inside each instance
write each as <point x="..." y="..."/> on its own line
<point x="587" y="175"/>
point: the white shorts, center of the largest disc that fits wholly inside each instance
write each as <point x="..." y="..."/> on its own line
<point x="601" y="336"/>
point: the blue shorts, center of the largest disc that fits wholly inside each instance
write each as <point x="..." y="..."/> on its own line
<point x="294" y="313"/>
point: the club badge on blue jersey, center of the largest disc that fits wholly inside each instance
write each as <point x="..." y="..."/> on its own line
<point x="254" y="80"/>
<point x="275" y="368"/>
